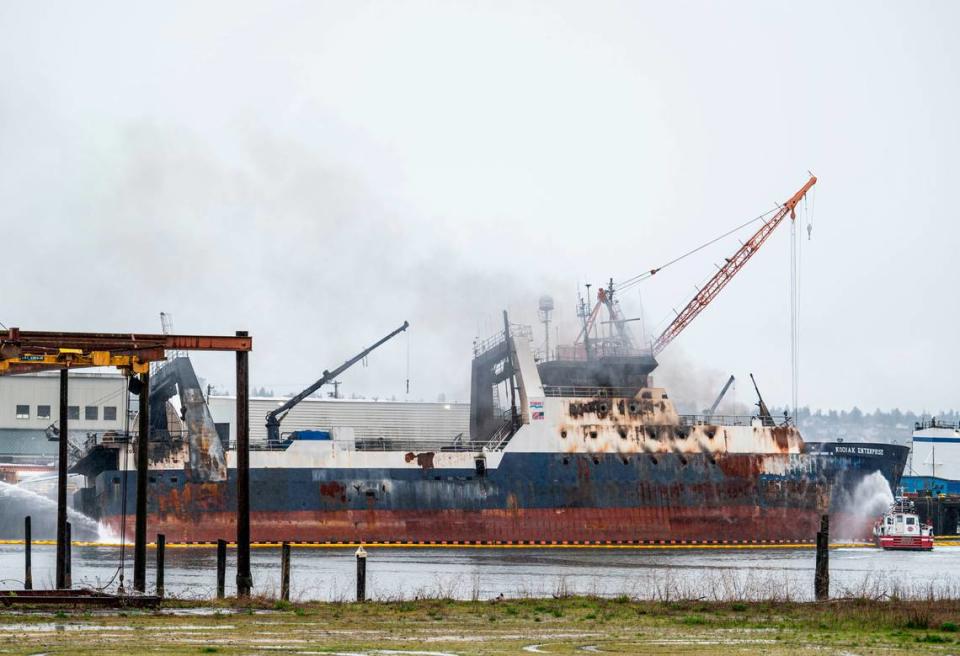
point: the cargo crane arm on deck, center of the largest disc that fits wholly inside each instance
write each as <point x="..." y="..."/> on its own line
<point x="723" y="392"/>
<point x="729" y="269"/>
<point x="274" y="417"/>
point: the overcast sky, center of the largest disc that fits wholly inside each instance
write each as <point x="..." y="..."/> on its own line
<point x="316" y="173"/>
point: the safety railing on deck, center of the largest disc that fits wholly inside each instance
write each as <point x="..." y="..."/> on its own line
<point x="418" y="446"/>
<point x="935" y="423"/>
<point x="590" y="392"/>
<point x="730" y="420"/>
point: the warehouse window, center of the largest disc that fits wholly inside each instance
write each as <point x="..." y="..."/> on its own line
<point x="109" y="413"/>
<point x="23" y="412"/>
<point x="43" y="412"/>
<point x="73" y="412"/>
<point x="91" y="413"/>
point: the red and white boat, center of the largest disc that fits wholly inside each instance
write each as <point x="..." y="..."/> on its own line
<point x="900" y="528"/>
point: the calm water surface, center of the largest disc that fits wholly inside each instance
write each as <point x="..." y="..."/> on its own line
<point x="394" y="573"/>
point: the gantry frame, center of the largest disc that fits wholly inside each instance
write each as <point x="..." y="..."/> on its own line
<point x="24" y="351"/>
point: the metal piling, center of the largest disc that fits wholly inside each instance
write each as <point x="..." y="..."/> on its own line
<point x="62" y="483"/>
<point x="143" y="457"/>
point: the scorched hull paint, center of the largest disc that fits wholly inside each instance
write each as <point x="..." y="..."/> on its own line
<point x="529" y="497"/>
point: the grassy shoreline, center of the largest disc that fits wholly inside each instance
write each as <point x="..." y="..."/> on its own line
<point x="560" y="626"/>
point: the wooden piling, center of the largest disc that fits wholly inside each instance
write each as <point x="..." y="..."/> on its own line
<point x="821" y="580"/>
<point x="27" y="556"/>
<point x="161" y="548"/>
<point x="221" y="568"/>
<point x="361" y="575"/>
<point x="68" y="560"/>
<point x="285" y="571"/>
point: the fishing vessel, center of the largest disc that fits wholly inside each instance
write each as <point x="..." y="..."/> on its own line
<point x="585" y="451"/>
<point x="572" y="445"/>
<point x="901" y="528"/>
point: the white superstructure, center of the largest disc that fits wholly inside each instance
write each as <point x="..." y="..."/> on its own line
<point x="935" y="451"/>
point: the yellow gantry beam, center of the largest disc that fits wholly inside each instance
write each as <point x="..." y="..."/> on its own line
<point x="70" y="357"/>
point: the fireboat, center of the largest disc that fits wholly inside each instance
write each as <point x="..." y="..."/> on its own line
<point x="900" y="529"/>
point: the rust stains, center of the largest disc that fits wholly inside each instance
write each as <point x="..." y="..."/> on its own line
<point x="424" y="460"/>
<point x="333" y="490"/>
<point x="781" y="436"/>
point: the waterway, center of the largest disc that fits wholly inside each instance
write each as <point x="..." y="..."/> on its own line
<point x="405" y="573"/>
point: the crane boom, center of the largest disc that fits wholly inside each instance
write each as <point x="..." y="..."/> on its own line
<point x="274" y="417"/>
<point x="729" y="269"/>
<point x="723" y="393"/>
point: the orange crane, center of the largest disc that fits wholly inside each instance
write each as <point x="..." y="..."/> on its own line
<point x="729" y="269"/>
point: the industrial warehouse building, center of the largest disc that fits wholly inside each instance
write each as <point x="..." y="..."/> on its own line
<point x="30" y="404"/>
<point x="369" y="419"/>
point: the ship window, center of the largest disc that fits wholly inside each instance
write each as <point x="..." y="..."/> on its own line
<point x="889" y="521"/>
<point x="481" y="466"/>
<point x="73" y="412"/>
<point x="109" y="413"/>
<point x="566" y="461"/>
<point x="563" y="433"/>
<point x="173" y="479"/>
<point x="43" y="412"/>
<point x="593" y="434"/>
<point x="91" y="413"/>
<point x="23" y="412"/>
<point x="911" y="521"/>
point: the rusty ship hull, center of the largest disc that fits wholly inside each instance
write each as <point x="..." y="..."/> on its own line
<point x="529" y="498"/>
<point x="588" y="451"/>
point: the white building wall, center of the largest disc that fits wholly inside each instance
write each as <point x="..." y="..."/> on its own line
<point x="368" y="418"/>
<point x="85" y="390"/>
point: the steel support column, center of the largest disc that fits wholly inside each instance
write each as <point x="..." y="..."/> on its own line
<point x="62" y="486"/>
<point x="244" y="578"/>
<point x="143" y="458"/>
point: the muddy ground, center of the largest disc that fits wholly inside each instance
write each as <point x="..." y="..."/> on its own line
<point x="439" y="627"/>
